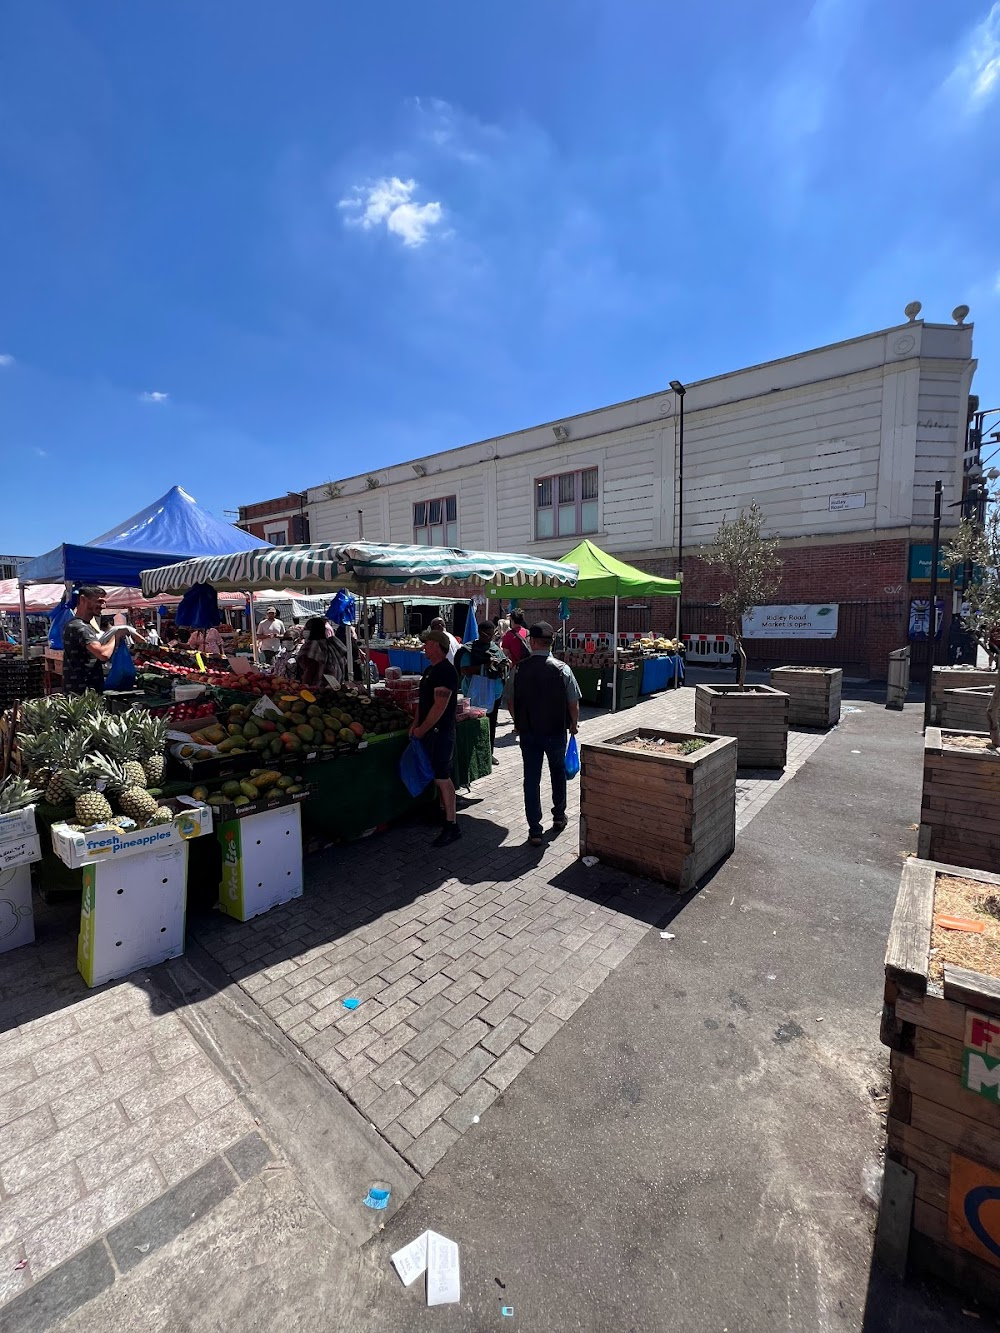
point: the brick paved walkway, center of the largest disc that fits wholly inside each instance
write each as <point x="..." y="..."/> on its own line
<point x="106" y="1102"/>
<point x="467" y="961"/>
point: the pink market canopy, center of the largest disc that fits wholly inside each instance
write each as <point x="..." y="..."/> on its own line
<point x="40" y="597"/>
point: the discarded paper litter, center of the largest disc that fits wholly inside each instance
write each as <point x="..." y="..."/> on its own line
<point x="438" y="1257"/>
<point x="590" y="861"/>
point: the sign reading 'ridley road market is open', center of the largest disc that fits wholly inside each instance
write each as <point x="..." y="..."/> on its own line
<point x="798" y="621"/>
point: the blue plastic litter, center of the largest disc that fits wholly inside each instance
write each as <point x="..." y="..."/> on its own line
<point x="351" y="1004"/>
<point x="507" y="1311"/>
<point x="378" y="1199"/>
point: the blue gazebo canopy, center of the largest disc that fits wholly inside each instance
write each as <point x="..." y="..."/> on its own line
<point x="173" y="528"/>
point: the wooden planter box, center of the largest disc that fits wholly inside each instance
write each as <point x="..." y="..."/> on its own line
<point x="668" y="817"/>
<point x="954" y="678"/>
<point x="756" y="716"/>
<point x="944" y="1118"/>
<point x="960" y="803"/>
<point x="813" y="694"/>
<point x="966" y="709"/>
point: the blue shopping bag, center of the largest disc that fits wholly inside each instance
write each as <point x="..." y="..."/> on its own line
<point x="58" y="620"/>
<point x="415" y="768"/>
<point x="572" y="758"/>
<point x="122" y="673"/>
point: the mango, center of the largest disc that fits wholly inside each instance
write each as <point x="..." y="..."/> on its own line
<point x="266" y="779"/>
<point x="240" y="801"/>
<point x="265" y="724"/>
<point x="275" y="746"/>
<point x="251" y="730"/>
<point x="347" y="735"/>
<point x="329" y="736"/>
<point x="230" y="789"/>
<point x="305" y="732"/>
<point x="200" y="793"/>
<point x="235" y="729"/>
<point x="260" y="744"/>
<point x="284" y="782"/>
<point x="249" y="790"/>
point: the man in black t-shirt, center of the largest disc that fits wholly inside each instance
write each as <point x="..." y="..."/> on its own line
<point x="83" y="652"/>
<point x="435" y="724"/>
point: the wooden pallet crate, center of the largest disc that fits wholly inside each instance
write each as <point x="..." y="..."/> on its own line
<point x="813" y="694"/>
<point x="668" y="817"/>
<point x="757" y="717"/>
<point x="960" y="801"/>
<point x="943" y="1127"/>
<point x="954" y="678"/>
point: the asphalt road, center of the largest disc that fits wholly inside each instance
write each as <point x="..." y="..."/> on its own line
<point x="689" y="1151"/>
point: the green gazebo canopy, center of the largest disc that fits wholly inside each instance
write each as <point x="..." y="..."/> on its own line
<point x="601" y="575"/>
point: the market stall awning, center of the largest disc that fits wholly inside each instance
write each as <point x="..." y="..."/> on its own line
<point x="602" y="575"/>
<point x="173" y="527"/>
<point x="44" y="596"/>
<point x="361" y="567"/>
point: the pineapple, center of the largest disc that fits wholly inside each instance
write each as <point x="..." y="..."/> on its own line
<point x="15" y="794"/>
<point x="72" y="710"/>
<point x="164" y="815"/>
<point x="118" y="741"/>
<point x="69" y="755"/>
<point x="129" y="795"/>
<point x="38" y="753"/>
<point x="91" y="806"/>
<point x="152" y="733"/>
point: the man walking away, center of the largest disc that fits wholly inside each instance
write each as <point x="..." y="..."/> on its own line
<point x="435" y="724"/>
<point x="546" y="704"/>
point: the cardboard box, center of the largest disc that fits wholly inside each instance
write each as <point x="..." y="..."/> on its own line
<point x="20" y="851"/>
<point x="261" y="861"/>
<point x="83" y="848"/>
<point x="19" y="824"/>
<point x="273" y="799"/>
<point x="132" y="912"/>
<point x="17" y="922"/>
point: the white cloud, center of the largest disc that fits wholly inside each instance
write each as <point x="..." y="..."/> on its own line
<point x="454" y="132"/>
<point x="154" y="397"/>
<point x="976" y="75"/>
<point x="390" y="201"/>
<point x="42" y="453"/>
<point x="5" y="360"/>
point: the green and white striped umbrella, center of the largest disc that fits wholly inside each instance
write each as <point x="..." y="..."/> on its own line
<point x="358" y="566"/>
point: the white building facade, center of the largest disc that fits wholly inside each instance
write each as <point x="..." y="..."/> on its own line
<point x="840" y="446"/>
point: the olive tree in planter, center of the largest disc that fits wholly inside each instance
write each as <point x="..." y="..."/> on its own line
<point x="978" y="545"/>
<point x="756" y="715"/>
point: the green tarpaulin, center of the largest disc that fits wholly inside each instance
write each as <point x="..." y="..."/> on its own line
<point x="601" y="575"/>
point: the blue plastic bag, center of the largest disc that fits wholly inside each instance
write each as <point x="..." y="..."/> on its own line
<point x="572" y="758"/>
<point x="59" y="619"/>
<point x="483" y="692"/>
<point x="122" y="673"/>
<point x="415" y="768"/>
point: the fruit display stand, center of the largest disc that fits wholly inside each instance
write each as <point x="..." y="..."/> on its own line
<point x="353" y="794"/>
<point x="261" y="857"/>
<point x="19" y="847"/>
<point x="134" y="891"/>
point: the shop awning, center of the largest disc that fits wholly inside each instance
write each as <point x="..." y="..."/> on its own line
<point x="361" y="567"/>
<point x="602" y="575"/>
<point x="173" y="527"/>
<point x="44" y="596"/>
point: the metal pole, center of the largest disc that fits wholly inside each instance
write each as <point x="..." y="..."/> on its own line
<point x="24" y="621"/>
<point x="680" y="495"/>
<point x="368" y="658"/>
<point x="932" y="616"/>
<point x="614" y="662"/>
<point x="677" y="641"/>
<point x="253" y="631"/>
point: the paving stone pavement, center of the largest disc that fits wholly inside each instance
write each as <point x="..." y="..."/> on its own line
<point x="106" y="1103"/>
<point x="467" y="960"/>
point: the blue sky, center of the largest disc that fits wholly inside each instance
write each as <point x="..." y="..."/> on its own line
<point x="247" y="247"/>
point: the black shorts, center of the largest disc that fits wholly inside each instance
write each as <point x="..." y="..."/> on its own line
<point x="440" y="746"/>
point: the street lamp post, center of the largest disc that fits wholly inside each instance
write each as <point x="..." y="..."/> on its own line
<point x="932" y="619"/>
<point x="680" y="391"/>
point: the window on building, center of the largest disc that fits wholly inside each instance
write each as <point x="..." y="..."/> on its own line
<point x="276" y="536"/>
<point x="435" y="522"/>
<point x="566" y="506"/>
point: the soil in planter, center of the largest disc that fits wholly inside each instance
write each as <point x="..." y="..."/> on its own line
<point x="968" y="898"/>
<point x="970" y="743"/>
<point x="653" y="746"/>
